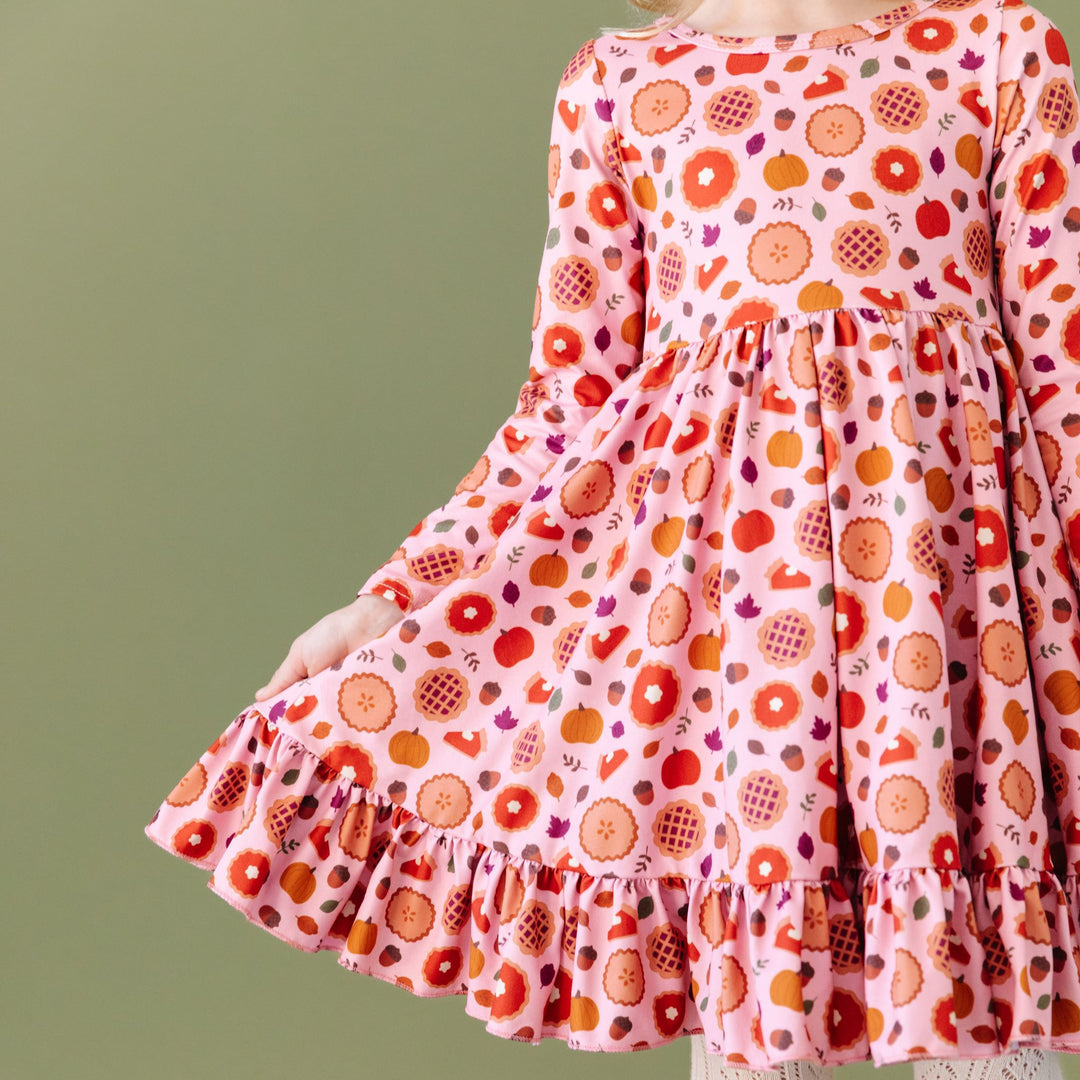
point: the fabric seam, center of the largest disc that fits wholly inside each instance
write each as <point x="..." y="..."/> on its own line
<point x="372" y="796"/>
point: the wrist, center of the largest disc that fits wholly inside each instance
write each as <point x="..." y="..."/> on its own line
<point x="383" y="602"/>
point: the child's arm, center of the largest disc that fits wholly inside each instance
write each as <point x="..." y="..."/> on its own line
<point x="1034" y="192"/>
<point x="588" y="328"/>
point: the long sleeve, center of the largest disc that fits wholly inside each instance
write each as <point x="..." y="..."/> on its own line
<point x="587" y="336"/>
<point x="1034" y="192"/>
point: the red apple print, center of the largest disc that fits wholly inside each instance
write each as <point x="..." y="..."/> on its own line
<point x="679" y="768"/>
<point x="513" y="645"/>
<point x="932" y="218"/>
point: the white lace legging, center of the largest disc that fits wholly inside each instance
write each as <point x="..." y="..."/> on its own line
<point x="1030" y="1063"/>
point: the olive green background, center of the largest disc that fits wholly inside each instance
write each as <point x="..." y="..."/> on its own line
<point x="266" y="289"/>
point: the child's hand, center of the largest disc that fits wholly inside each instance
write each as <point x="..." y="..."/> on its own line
<point x="328" y="640"/>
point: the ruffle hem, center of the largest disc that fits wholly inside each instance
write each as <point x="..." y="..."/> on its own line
<point x="324" y="863"/>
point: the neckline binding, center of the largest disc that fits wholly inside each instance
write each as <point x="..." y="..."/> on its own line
<point x="807" y="39"/>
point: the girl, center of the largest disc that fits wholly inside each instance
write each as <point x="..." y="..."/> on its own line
<point x="732" y="692"/>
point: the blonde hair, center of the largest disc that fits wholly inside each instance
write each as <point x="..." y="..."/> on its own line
<point x="676" y="11"/>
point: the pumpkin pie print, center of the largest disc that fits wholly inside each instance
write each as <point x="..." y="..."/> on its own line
<point x="190" y="787"/>
<point x="834" y="130"/>
<point x="734" y="985"/>
<point x="753" y="630"/>
<point x="444" y="800"/>
<point x="708" y="177"/>
<point x="658" y="106"/>
<point x="608" y="829"/>
<point x="194" y="840"/>
<point x="1017" y="787"/>
<point x="534" y="928"/>
<point x="441" y="694"/>
<point x="366" y="701"/>
<point x="678" y="829"/>
<point x="902" y="803"/>
<point x="515" y="807"/>
<point x="865" y="548"/>
<point x="230" y="786"/>
<point x="624" y="977"/>
<point x="779" y="252"/>
<point x="767" y="864"/>
<point x="410" y="914"/>
<point x="731" y="110"/>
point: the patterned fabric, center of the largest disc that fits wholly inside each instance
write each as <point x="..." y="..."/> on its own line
<point x="736" y="691"/>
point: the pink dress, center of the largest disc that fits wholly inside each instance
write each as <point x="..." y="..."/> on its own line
<point x="736" y="690"/>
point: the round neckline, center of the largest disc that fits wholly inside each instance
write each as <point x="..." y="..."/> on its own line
<point x="825" y="37"/>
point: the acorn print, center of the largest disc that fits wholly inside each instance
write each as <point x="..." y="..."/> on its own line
<point x="1038" y="324"/>
<point x="832" y="178"/>
<point x="792" y="756"/>
<point x="586" y="957"/>
<point x="784" y="119"/>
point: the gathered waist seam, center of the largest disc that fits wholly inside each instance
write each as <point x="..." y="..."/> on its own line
<point x="809" y="315"/>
